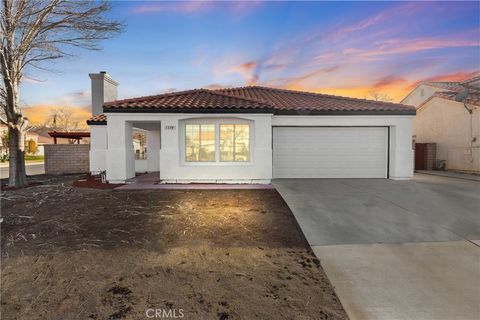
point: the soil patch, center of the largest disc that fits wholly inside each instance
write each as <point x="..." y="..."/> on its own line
<point x="75" y="253"/>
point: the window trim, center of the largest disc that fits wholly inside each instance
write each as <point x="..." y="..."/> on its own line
<point x="217" y="122"/>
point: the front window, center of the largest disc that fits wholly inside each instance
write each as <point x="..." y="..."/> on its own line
<point x="234" y="142"/>
<point x="200" y="142"/>
<point x="217" y="142"/>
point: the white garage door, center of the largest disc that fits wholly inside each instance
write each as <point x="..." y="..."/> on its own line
<point x="330" y="152"/>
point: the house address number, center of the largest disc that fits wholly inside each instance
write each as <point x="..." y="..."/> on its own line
<point x="170" y="127"/>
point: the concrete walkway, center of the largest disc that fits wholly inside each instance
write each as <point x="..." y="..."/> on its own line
<point x="394" y="249"/>
<point x="451" y="174"/>
<point x="151" y="181"/>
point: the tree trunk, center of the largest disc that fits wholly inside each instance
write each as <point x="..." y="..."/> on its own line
<point x="17" y="175"/>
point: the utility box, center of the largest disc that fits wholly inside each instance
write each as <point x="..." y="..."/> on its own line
<point x="425" y="156"/>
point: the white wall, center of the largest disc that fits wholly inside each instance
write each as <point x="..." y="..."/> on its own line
<point x="120" y="155"/>
<point x="141" y="166"/>
<point x="172" y="166"/>
<point x="98" y="148"/>
<point x="104" y="89"/>
<point x="153" y="149"/>
<point x="401" y="152"/>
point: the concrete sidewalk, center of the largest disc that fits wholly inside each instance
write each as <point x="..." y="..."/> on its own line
<point x="451" y="174"/>
<point x="434" y="281"/>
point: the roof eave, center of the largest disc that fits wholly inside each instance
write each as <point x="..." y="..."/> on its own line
<point x="96" y="123"/>
<point x="346" y="112"/>
<point x="408" y="112"/>
<point x="187" y="110"/>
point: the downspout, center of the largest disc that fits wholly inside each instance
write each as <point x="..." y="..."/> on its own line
<point x="472" y="139"/>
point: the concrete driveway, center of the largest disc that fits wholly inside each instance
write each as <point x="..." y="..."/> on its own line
<point x="394" y="249"/>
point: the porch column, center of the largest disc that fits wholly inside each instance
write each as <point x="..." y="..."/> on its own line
<point x="153" y="150"/>
<point x="120" y="155"/>
<point x="98" y="148"/>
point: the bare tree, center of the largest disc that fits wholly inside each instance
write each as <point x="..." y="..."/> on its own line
<point x="36" y="31"/>
<point x="61" y="118"/>
<point x="379" y="96"/>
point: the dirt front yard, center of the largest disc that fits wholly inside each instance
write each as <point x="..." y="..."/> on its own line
<point x="73" y="253"/>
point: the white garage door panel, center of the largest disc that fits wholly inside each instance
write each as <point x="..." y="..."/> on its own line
<point x="330" y="152"/>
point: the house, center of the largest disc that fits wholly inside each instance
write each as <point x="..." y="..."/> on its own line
<point x="31" y="139"/>
<point x="448" y="115"/>
<point x="248" y="135"/>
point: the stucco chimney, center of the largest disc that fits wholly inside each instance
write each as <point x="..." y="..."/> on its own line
<point x="104" y="89"/>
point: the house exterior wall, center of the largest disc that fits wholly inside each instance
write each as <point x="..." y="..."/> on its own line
<point x="66" y="158"/>
<point x="173" y="168"/>
<point x="98" y="148"/>
<point x="400" y="127"/>
<point x="420" y="94"/>
<point x="118" y="158"/>
<point x="447" y="123"/>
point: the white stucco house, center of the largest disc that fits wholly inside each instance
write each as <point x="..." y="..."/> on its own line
<point x="448" y="114"/>
<point x="248" y="135"/>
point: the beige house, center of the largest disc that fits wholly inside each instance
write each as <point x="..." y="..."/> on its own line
<point x="31" y="139"/>
<point x="448" y="114"/>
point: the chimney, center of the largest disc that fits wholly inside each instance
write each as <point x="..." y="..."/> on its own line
<point x="104" y="89"/>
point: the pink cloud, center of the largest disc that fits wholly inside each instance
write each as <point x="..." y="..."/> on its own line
<point x="173" y="7"/>
<point x="187" y="7"/>
<point x="345" y="31"/>
<point x="396" y="46"/>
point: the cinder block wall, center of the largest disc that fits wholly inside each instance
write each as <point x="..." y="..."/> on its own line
<point x="66" y="158"/>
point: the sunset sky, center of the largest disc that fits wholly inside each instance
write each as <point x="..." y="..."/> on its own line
<point x="344" y="48"/>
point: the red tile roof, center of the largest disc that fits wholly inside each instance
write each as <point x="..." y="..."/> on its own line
<point x="464" y="91"/>
<point x="252" y="99"/>
<point x="473" y="97"/>
<point x="98" y="119"/>
<point x="290" y="101"/>
<point x="198" y="99"/>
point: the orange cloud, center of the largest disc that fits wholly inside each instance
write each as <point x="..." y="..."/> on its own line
<point x="39" y="114"/>
<point x="394" y="87"/>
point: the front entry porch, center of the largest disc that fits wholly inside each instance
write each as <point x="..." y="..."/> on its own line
<point x="133" y="147"/>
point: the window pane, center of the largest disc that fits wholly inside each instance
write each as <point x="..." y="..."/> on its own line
<point x="140" y="145"/>
<point x="226" y="142"/>
<point x="192" y="142"/>
<point x="207" y="142"/>
<point x="242" y="142"/>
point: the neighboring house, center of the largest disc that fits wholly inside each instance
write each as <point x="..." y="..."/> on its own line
<point x="3" y="137"/>
<point x="448" y="114"/>
<point x="249" y="135"/>
<point x="31" y="139"/>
